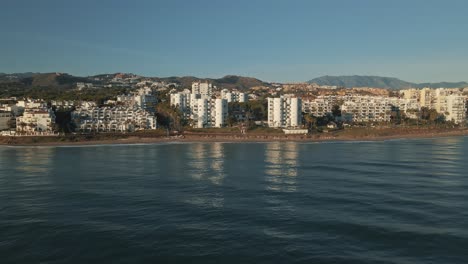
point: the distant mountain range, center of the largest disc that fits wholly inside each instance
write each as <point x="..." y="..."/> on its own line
<point x="380" y="82"/>
<point x="64" y="80"/>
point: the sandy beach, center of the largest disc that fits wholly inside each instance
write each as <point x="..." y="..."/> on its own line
<point x="225" y="137"/>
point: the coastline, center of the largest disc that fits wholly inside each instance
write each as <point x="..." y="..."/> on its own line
<point x="234" y="138"/>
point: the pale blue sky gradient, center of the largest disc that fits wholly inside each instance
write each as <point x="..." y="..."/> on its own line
<point x="274" y="40"/>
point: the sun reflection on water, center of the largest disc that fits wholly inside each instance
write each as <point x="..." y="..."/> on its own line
<point x="281" y="162"/>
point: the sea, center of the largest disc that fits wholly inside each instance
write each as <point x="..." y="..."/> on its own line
<point x="397" y="201"/>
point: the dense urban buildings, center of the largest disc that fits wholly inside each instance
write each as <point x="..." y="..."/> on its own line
<point x="142" y="98"/>
<point x="112" y="119"/>
<point x="127" y="114"/>
<point x="200" y="108"/>
<point x="357" y="108"/>
<point x="129" y="104"/>
<point x="364" y="108"/>
<point x="26" y="117"/>
<point x="449" y="102"/>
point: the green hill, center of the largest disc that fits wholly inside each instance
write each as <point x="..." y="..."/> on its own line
<point x="228" y="81"/>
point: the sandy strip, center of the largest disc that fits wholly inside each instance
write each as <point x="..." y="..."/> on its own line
<point x="241" y="138"/>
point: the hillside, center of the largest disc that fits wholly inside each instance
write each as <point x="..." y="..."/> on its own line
<point x="238" y="82"/>
<point x="362" y="81"/>
<point x="228" y="81"/>
<point x="443" y="84"/>
<point x="380" y="82"/>
<point x="5" y="77"/>
<point x="61" y="80"/>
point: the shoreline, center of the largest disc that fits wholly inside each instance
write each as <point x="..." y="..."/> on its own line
<point x="234" y="138"/>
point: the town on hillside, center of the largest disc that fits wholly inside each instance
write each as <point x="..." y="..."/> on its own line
<point x="126" y="103"/>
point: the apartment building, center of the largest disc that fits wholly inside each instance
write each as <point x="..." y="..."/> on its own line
<point x="427" y="97"/>
<point x="184" y="100"/>
<point x="207" y="112"/>
<point x="412" y="93"/>
<point x="112" y="119"/>
<point x="407" y="106"/>
<point x="199" y="107"/>
<point x="145" y="99"/>
<point x="5" y="118"/>
<point x="365" y="109"/>
<point x="202" y="88"/>
<point x="320" y="106"/>
<point x="142" y="98"/>
<point x="12" y="108"/>
<point x="202" y="110"/>
<point x="284" y="112"/>
<point x="447" y="101"/>
<point x="455" y="109"/>
<point x="36" y="121"/>
<point x="31" y="103"/>
<point x="63" y="104"/>
<point x="234" y="96"/>
<point x="359" y="108"/>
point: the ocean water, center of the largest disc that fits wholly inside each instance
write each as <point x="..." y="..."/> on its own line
<point x="401" y="201"/>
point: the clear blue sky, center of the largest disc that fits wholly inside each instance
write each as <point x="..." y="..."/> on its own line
<point x="274" y="40"/>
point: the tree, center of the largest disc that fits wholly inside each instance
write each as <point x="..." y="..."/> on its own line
<point x="324" y="120"/>
<point x="310" y="120"/>
<point x="232" y="120"/>
<point x="11" y="123"/>
<point x="430" y="115"/>
<point x="433" y="115"/>
<point x="395" y="115"/>
<point x="336" y="111"/>
<point x="440" y="119"/>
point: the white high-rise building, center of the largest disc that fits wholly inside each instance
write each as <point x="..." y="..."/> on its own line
<point x="183" y="101"/>
<point x="426" y="98"/>
<point x="207" y="112"/>
<point x="198" y="106"/>
<point x="284" y="112"/>
<point x="220" y="112"/>
<point x="456" y="109"/>
<point x="202" y="88"/>
<point x="204" y="111"/>
<point x="233" y="96"/>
